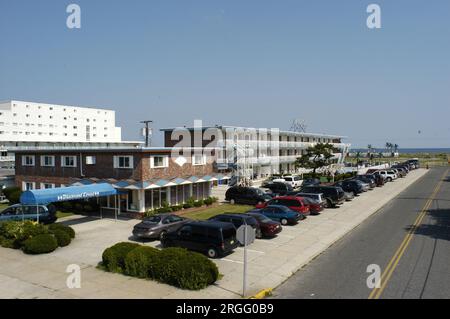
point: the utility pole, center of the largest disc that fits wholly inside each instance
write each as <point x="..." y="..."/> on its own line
<point x="147" y="132"/>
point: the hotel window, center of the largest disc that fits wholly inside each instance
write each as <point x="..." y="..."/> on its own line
<point x="47" y="185"/>
<point x="123" y="161"/>
<point x="27" y="186"/>
<point x="159" y="161"/>
<point x="91" y="160"/>
<point x="47" y="160"/>
<point x="68" y="161"/>
<point x="199" y="159"/>
<point x="28" y="160"/>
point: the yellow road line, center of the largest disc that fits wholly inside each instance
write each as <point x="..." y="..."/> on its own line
<point x="392" y="265"/>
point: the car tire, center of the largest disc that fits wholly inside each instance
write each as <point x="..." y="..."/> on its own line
<point x="389" y="179"/>
<point x="232" y="201"/>
<point x="329" y="203"/>
<point x="162" y="235"/>
<point x="284" y="221"/>
<point x="212" y="252"/>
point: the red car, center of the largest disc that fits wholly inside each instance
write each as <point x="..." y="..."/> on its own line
<point x="315" y="207"/>
<point x="293" y="202"/>
<point x="267" y="226"/>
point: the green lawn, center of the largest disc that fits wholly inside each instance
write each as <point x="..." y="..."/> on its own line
<point x="225" y="208"/>
<point x="60" y="214"/>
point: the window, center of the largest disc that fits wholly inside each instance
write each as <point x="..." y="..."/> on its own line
<point x="47" y="185"/>
<point x="47" y="160"/>
<point x="27" y="186"/>
<point x="198" y="159"/>
<point x="90" y="160"/>
<point x="159" y="161"/>
<point x="28" y="160"/>
<point x="68" y="161"/>
<point x="123" y="161"/>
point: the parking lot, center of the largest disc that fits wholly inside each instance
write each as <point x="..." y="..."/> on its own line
<point x="271" y="261"/>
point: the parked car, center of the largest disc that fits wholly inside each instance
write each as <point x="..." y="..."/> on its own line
<point x="210" y="237"/>
<point x="293" y="202"/>
<point x="349" y="196"/>
<point x="267" y="226"/>
<point x="311" y="182"/>
<point x="246" y="195"/>
<point x="389" y="175"/>
<point x="368" y="180"/>
<point x="379" y="180"/>
<point x="317" y="197"/>
<point x="332" y="195"/>
<point x="278" y="188"/>
<point x="17" y="212"/>
<point x="238" y="220"/>
<point x="401" y="172"/>
<point x="282" y="214"/>
<point x="351" y="186"/>
<point x="315" y="207"/>
<point x="294" y="180"/>
<point x="156" y="227"/>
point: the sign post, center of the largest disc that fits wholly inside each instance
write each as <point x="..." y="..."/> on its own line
<point x="245" y="235"/>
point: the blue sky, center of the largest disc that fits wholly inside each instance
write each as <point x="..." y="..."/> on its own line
<point x="255" y="63"/>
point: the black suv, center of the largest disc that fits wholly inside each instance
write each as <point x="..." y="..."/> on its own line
<point x="209" y="237"/>
<point x="246" y="195"/>
<point x="238" y="220"/>
<point x="332" y="195"/>
<point x="279" y="189"/>
<point x="350" y="186"/>
<point x="366" y="179"/>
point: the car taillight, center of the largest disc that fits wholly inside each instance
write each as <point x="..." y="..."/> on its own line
<point x="222" y="245"/>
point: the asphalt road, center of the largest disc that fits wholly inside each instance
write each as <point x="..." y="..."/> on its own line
<point x="409" y="239"/>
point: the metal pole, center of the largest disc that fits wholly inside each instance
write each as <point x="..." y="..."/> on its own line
<point x="37" y="212"/>
<point x="245" y="262"/>
<point x="147" y="132"/>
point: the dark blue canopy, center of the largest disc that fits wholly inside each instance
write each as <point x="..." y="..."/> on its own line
<point x="62" y="194"/>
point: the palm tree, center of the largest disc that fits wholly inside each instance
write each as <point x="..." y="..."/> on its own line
<point x="396" y="148"/>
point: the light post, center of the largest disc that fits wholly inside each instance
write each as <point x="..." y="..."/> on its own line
<point x="147" y="131"/>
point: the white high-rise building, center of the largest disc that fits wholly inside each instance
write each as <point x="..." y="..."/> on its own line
<point x="39" y="122"/>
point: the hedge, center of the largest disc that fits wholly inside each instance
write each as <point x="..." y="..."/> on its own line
<point x="27" y="235"/>
<point x="141" y="262"/>
<point x="174" y="266"/>
<point x="40" y="244"/>
<point x="12" y="194"/>
<point x="62" y="237"/>
<point x="62" y="227"/>
<point x="113" y="258"/>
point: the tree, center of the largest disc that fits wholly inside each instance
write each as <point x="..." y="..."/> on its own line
<point x="317" y="156"/>
<point x="395" y="148"/>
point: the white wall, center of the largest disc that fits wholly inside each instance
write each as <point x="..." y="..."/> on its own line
<point x="39" y="122"/>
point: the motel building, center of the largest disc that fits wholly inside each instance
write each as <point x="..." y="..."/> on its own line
<point x="145" y="178"/>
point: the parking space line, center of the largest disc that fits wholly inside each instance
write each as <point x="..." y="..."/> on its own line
<point x="252" y="250"/>
<point x="232" y="261"/>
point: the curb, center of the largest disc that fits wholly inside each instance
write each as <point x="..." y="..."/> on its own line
<point x="262" y="294"/>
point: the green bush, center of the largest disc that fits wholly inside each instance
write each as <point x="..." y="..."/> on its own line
<point x="7" y="242"/>
<point x="78" y="207"/>
<point x="62" y="227"/>
<point x="18" y="231"/>
<point x="62" y="237"/>
<point x="198" y="203"/>
<point x="13" y="194"/>
<point x="176" y="208"/>
<point x="187" y="270"/>
<point x="114" y="257"/>
<point x="208" y="201"/>
<point x="141" y="262"/>
<point x="40" y="244"/>
<point x="66" y="206"/>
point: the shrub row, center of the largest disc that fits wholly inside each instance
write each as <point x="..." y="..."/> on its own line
<point x="12" y="194"/>
<point x="34" y="238"/>
<point x="166" y="208"/>
<point x="78" y="206"/>
<point x="174" y="266"/>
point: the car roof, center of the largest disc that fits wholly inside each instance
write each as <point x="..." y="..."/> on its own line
<point x="210" y="223"/>
<point x="288" y="197"/>
<point x="231" y="215"/>
<point x="278" y="206"/>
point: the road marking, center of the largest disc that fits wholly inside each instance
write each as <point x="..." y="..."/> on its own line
<point x="393" y="263"/>
<point x="252" y="250"/>
<point x="232" y="261"/>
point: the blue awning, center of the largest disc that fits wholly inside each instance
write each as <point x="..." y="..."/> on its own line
<point x="62" y="194"/>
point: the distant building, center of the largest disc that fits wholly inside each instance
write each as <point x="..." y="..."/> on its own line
<point x="32" y="125"/>
<point x="254" y="153"/>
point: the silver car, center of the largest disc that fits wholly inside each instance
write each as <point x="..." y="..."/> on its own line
<point x="157" y="226"/>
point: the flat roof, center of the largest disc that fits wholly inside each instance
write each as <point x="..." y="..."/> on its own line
<point x="252" y="128"/>
<point x="111" y="150"/>
<point x="58" y="105"/>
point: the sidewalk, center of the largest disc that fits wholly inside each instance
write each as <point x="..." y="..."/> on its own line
<point x="271" y="261"/>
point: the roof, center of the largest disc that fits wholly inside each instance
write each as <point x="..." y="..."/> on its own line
<point x="110" y="150"/>
<point x="62" y="194"/>
<point x="225" y="127"/>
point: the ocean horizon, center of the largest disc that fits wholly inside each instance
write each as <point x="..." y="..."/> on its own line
<point x="406" y="150"/>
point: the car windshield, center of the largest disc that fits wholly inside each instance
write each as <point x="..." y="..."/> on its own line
<point x="261" y="218"/>
<point x="152" y="220"/>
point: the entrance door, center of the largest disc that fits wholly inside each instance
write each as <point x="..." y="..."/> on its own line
<point x="123" y="198"/>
